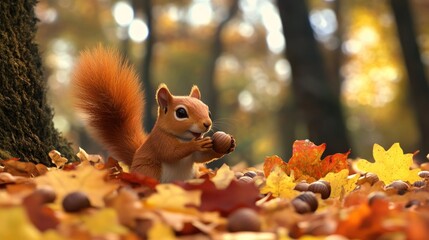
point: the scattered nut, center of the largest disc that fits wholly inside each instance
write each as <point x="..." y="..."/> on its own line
<point x="411" y="203"/>
<point x="76" y="201"/>
<point x="419" y="184"/>
<point x="47" y="193"/>
<point x="302" y="186"/>
<point x="245" y="179"/>
<point x="300" y="206"/>
<point x="374" y="196"/>
<point x="244" y="219"/>
<point x="370" y="178"/>
<point x="324" y="188"/>
<point x="309" y="198"/>
<point x="221" y="142"/>
<point x="251" y="174"/>
<point x="425" y="166"/>
<point x="424" y="174"/>
<point x="400" y="186"/>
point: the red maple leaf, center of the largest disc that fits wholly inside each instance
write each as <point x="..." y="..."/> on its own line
<point x="236" y="195"/>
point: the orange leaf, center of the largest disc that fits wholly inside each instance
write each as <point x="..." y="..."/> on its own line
<point x="305" y="160"/>
<point x="271" y="162"/>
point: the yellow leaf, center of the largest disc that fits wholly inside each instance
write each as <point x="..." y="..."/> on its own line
<point x="104" y="222"/>
<point x="85" y="179"/>
<point x="16" y="225"/>
<point x="174" y="198"/>
<point x="160" y="230"/>
<point x="390" y="165"/>
<point x="223" y="177"/>
<point x="280" y="184"/>
<point x="341" y="182"/>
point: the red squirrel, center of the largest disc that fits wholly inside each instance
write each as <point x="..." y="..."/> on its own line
<point x="107" y="89"/>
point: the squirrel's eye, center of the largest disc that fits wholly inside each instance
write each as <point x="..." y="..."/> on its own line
<point x="210" y="114"/>
<point x="181" y="113"/>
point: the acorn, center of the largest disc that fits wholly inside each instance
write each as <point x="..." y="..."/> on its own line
<point x="222" y="142"/>
<point x="245" y="179"/>
<point x="250" y="173"/>
<point x="400" y="186"/>
<point x="411" y="203"/>
<point x="300" y="206"/>
<point x="419" y="184"/>
<point x="301" y="186"/>
<point x="244" y="219"/>
<point x="322" y="187"/>
<point x="424" y="174"/>
<point x="369" y="177"/>
<point x="375" y="196"/>
<point x="47" y="193"/>
<point x="309" y="198"/>
<point x="425" y="166"/>
<point x="75" y="202"/>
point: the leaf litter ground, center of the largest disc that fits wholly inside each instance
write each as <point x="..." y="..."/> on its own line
<point x="304" y="198"/>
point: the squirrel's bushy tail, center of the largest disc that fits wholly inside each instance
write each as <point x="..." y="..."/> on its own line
<point x="107" y="90"/>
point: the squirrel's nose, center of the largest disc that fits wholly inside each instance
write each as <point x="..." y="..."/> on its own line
<point x="207" y="125"/>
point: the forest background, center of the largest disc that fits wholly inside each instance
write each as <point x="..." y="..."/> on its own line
<point x="267" y="78"/>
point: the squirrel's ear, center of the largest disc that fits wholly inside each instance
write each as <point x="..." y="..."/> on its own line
<point x="195" y="92"/>
<point x="163" y="96"/>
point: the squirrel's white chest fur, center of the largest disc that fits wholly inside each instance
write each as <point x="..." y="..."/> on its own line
<point x="180" y="170"/>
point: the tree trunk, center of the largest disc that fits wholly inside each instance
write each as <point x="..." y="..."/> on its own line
<point x="149" y="117"/>
<point x="317" y="105"/>
<point x="418" y="84"/>
<point x="27" y="130"/>
<point x="210" y="94"/>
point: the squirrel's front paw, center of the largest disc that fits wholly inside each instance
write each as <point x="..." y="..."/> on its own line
<point x="204" y="144"/>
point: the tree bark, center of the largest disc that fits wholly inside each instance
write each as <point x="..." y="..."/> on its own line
<point x="317" y="105"/>
<point x="418" y="83"/>
<point x="27" y="130"/>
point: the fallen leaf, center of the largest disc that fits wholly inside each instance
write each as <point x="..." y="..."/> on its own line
<point x="341" y="183"/>
<point x="103" y="222"/>
<point x="85" y="179"/>
<point x="223" y="177"/>
<point x="128" y="206"/>
<point x="174" y="198"/>
<point x="389" y="165"/>
<point x="138" y="179"/>
<point x="16" y="225"/>
<point x="24" y="169"/>
<point x="41" y="216"/>
<point x="85" y="157"/>
<point x="160" y="230"/>
<point x="271" y="162"/>
<point x="236" y="195"/>
<point x="57" y="159"/>
<point x="306" y="164"/>
<point x="280" y="184"/>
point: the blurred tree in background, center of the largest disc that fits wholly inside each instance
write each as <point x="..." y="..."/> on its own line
<point x="235" y="51"/>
